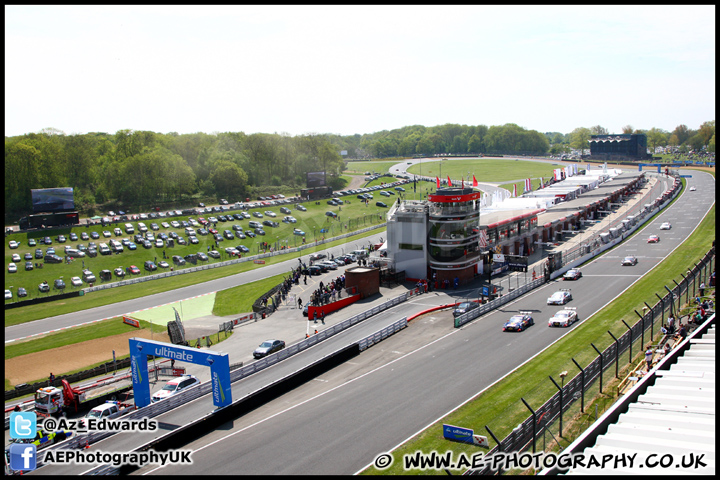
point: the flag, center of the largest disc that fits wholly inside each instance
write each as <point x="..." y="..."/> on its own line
<point x="462" y="185"/>
<point x="475" y="184"/>
<point x="528" y="185"/>
<point x="449" y="182"/>
<point x="437" y="180"/>
<point x="483" y="239"/>
<point x="542" y="182"/>
<point x="514" y="190"/>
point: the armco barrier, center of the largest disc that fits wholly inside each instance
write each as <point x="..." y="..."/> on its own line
<point x="493" y="304"/>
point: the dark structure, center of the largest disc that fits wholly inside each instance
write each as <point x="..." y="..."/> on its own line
<point x="619" y="147"/>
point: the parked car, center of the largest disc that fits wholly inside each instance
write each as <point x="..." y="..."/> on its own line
<point x="8" y="294"/>
<point x="214" y="254"/>
<point x="175" y="386"/>
<point x="13" y="244"/>
<point x="268" y="347"/>
<point x="22" y="292"/>
<point x="59" y="284"/>
<point x="464" y="307"/>
<point x="178" y="260"/>
<point x="12" y="268"/>
<point x="150" y="266"/>
<point x="132" y="269"/>
<point x="120" y="272"/>
<point x="76" y="282"/>
<point x="381" y="204"/>
<point x="29" y="266"/>
<point x="44" y="287"/>
<point x="52" y="258"/>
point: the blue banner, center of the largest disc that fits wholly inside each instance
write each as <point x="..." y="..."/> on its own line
<point x="457" y="434"/>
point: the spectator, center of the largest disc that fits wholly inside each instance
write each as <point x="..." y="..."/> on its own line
<point x="702" y="289"/>
<point x="682" y="333"/>
<point x="649" y="357"/>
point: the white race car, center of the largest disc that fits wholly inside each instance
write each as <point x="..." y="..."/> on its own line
<point x="564" y="318"/>
<point x="665" y="226"/>
<point x="560" y="298"/>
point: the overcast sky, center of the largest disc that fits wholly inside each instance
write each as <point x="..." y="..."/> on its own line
<point x="356" y="69"/>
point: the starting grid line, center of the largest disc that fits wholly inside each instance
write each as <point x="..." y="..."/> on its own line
<point x="103" y="319"/>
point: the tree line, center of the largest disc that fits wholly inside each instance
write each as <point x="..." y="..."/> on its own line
<point x="133" y="167"/>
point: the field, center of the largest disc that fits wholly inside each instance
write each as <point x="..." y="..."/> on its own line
<point x="313" y="222"/>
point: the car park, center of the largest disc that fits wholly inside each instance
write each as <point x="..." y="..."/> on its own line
<point x="94" y="235"/>
<point x="132" y="269"/>
<point x="665" y="226"/>
<point x="76" y="282"/>
<point x="289" y="219"/>
<point x="297" y="231"/>
<point x="117" y="232"/>
<point x="13" y="244"/>
<point x="12" y="268"/>
<point x="106" y="234"/>
<point x="29" y="266"/>
<point x="73" y="237"/>
<point x="175" y="386"/>
<point x="270" y="213"/>
<point x="150" y="266"/>
<point x="120" y="272"/>
<point x="31" y="242"/>
<point x="178" y="260"/>
<point x="653" y="239"/>
<point x="464" y="307"/>
<point x="250" y="233"/>
<point x="214" y="254"/>
<point x="302" y="208"/>
<point x="15" y="257"/>
<point x="285" y="210"/>
<point x="38" y="253"/>
<point x="257" y="214"/>
<point x="202" y="257"/>
<point x="243" y="249"/>
<point x="228" y="234"/>
<point x="163" y="264"/>
<point x="268" y="347"/>
<point x="572" y="274"/>
<point x="28" y="256"/>
<point x="8" y="294"/>
<point x="518" y="323"/>
<point x="629" y="260"/>
<point x="59" y="284"/>
<point x="259" y="231"/>
<point x="22" y="292"/>
<point x="381" y="204"/>
<point x="84" y="236"/>
<point x="61" y="239"/>
<point x="560" y="298"/>
<point x="331" y="214"/>
<point x="132" y="246"/>
<point x="564" y="318"/>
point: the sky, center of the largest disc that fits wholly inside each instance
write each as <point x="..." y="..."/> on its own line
<point x="349" y="70"/>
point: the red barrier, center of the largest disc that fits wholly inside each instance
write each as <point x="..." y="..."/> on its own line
<point x="331" y="307"/>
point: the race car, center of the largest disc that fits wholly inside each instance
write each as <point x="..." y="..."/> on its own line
<point x="630" y="260"/>
<point x="653" y="239"/>
<point x="665" y="226"/>
<point x="572" y="274"/>
<point x="518" y="323"/>
<point x="560" y="298"/>
<point x="564" y="318"/>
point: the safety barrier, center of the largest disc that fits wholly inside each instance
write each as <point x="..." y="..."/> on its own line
<point x="378" y="337"/>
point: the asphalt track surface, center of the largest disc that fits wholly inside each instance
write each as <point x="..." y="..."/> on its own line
<point x="340" y="421"/>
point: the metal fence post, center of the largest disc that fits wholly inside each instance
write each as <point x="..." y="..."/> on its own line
<point x="687" y="287"/>
<point x="561" y="400"/>
<point x="642" y="329"/>
<point x="672" y="299"/>
<point x="652" y="319"/>
<point x="617" y="352"/>
<point x="499" y="445"/>
<point x="601" y="362"/>
<point x="662" y="312"/>
<point x="631" y="339"/>
<point x="582" y="387"/>
<point x="534" y="421"/>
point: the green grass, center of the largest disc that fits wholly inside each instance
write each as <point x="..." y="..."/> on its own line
<point x="240" y="299"/>
<point x="500" y="407"/>
<point x="485" y="169"/>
